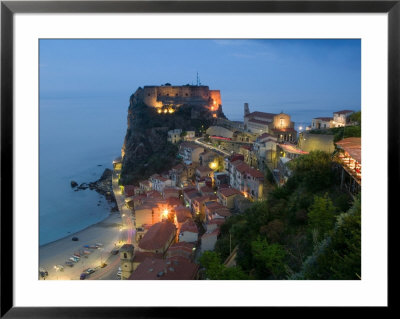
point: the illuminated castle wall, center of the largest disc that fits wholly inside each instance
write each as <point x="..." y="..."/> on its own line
<point x="162" y="97"/>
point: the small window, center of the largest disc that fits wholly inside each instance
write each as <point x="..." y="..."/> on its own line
<point x="148" y="94"/>
<point x="187" y="94"/>
<point x="176" y="94"/>
<point x="167" y="94"/>
<point x="125" y="255"/>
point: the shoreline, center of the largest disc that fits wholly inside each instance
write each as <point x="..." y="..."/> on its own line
<point x="110" y="215"/>
<point x="58" y="252"/>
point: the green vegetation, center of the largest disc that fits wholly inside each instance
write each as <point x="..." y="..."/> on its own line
<point x="281" y="238"/>
<point x="211" y="261"/>
<point x="339" y="255"/>
<point x="356" y="117"/>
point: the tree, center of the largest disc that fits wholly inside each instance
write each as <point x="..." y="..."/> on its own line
<point x="273" y="230"/>
<point x="356" y="117"/>
<point x="321" y="216"/>
<point x="313" y="171"/>
<point x="339" y="255"/>
<point x="269" y="258"/>
<point x="215" y="270"/>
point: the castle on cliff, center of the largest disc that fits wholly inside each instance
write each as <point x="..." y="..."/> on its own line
<point x="167" y="98"/>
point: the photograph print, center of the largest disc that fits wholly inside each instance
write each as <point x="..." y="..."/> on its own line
<point x="199" y="159"/>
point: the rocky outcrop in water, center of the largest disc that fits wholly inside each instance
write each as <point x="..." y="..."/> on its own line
<point x="103" y="185"/>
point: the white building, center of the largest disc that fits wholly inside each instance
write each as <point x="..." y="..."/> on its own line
<point x="246" y="179"/>
<point x="188" y="232"/>
<point x="190" y="152"/>
<point x="158" y="182"/>
<point x="321" y="123"/>
<point x="174" y="136"/>
<point x="341" y="118"/>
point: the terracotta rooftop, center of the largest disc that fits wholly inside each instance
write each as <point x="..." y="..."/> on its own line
<point x="264" y="136"/>
<point x="206" y="189"/>
<point x="157" y="236"/>
<point x="236" y="157"/>
<point x="182" y="245"/>
<point x="261" y="114"/>
<point x="205" y="198"/>
<point x="215" y="232"/>
<point x="259" y="122"/>
<point x="229" y="192"/>
<point x="193" y="195"/>
<point x="327" y="119"/>
<point x="154" y="194"/>
<point x="182" y="214"/>
<point x="351" y="145"/>
<point x="177" y="268"/>
<point x="213" y="205"/>
<point x="169" y="189"/>
<point x="189" y="189"/>
<point x="190" y="226"/>
<point x="173" y="201"/>
<point x="244" y="168"/>
<point x="140" y="256"/>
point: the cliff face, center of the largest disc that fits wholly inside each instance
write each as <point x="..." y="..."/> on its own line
<point x="146" y="150"/>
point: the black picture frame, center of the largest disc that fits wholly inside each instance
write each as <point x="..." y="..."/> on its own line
<point x="9" y="8"/>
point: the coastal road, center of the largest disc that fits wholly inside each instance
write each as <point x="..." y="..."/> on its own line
<point x="127" y="234"/>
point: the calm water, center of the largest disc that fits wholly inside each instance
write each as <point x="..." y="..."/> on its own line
<point x="76" y="135"/>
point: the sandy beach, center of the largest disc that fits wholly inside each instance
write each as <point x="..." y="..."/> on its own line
<point x="106" y="232"/>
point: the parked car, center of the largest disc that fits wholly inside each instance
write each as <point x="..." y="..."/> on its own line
<point x="69" y="263"/>
<point x="75" y="238"/>
<point x="83" y="276"/>
<point x="59" y="267"/>
<point x="89" y="271"/>
<point x="74" y="259"/>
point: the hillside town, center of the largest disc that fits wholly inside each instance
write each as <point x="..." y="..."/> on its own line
<point x="176" y="215"/>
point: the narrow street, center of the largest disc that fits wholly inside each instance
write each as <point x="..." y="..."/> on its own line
<point x="127" y="234"/>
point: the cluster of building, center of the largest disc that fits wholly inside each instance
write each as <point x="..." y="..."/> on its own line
<point x="339" y="119"/>
<point x="178" y="213"/>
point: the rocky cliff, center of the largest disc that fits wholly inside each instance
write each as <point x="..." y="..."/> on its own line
<point x="146" y="150"/>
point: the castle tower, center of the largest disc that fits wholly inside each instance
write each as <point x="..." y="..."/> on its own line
<point x="246" y="109"/>
<point x="126" y="254"/>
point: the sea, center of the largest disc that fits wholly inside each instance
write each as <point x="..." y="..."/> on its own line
<point x="78" y="140"/>
<point x="79" y="137"/>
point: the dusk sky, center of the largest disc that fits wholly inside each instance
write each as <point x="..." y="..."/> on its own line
<point x="295" y="76"/>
